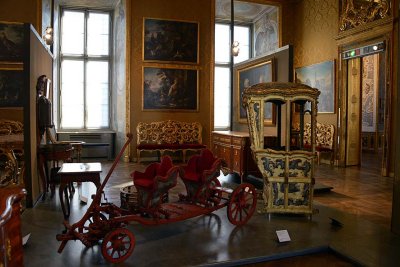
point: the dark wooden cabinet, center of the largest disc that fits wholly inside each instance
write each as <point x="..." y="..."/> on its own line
<point x="11" y="253"/>
<point x="234" y="148"/>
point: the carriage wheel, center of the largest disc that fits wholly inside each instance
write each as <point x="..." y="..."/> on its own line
<point x="214" y="195"/>
<point x="92" y="222"/>
<point x="242" y="204"/>
<point x="118" y="245"/>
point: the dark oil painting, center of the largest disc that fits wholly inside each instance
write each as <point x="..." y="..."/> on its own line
<point x="169" y="89"/>
<point x="171" y="41"/>
<point x="11" y="88"/>
<point x="11" y="41"/>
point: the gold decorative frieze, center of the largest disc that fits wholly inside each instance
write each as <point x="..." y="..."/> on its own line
<point x="355" y="13"/>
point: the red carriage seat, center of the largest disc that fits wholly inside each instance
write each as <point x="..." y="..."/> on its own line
<point x="153" y="184"/>
<point x="200" y="171"/>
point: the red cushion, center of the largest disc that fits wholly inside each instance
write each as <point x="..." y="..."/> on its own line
<point x="205" y="161"/>
<point x="170" y="146"/>
<point x="322" y="149"/>
<point x="192" y="176"/>
<point x="145" y="183"/>
<point x="165" y="166"/>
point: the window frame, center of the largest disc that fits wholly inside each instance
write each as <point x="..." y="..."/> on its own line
<point x="229" y="65"/>
<point x="85" y="58"/>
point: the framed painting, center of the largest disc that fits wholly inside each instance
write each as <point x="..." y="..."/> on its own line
<point x="11" y="88"/>
<point x="322" y="77"/>
<point x="170" y="89"/>
<point x="170" y="41"/>
<point x="11" y="41"/>
<point x="250" y="73"/>
<point x="369" y="92"/>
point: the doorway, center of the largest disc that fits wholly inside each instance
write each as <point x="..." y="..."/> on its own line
<point x="366" y="106"/>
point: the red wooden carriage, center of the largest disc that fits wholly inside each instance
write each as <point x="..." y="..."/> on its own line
<point x="106" y="221"/>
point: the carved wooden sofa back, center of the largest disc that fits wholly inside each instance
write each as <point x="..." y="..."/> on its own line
<point x="168" y="135"/>
<point x="8" y="127"/>
<point x="325" y="136"/>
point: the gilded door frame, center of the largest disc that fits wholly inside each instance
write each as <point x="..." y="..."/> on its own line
<point x="343" y="111"/>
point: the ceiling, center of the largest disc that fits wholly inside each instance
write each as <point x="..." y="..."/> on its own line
<point x="244" y="11"/>
<point x="90" y="3"/>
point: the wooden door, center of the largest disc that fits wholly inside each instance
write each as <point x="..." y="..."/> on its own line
<point x="353" y="138"/>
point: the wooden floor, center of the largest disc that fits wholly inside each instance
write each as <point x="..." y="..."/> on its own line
<point x="358" y="190"/>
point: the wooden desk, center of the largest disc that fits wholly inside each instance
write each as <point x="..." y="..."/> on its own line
<point x="234" y="148"/>
<point x="77" y="172"/>
<point x="48" y="153"/>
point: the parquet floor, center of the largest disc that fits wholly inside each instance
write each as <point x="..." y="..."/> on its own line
<point x="358" y="190"/>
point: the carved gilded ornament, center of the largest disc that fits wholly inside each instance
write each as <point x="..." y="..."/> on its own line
<point x="359" y="12"/>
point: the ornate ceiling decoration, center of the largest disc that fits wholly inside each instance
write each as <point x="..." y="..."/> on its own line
<point x="359" y="12"/>
<point x="244" y="11"/>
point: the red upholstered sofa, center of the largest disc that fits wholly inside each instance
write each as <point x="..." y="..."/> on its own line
<point x="168" y="135"/>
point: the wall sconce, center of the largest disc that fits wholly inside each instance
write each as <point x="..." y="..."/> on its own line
<point x="235" y="48"/>
<point x="48" y="36"/>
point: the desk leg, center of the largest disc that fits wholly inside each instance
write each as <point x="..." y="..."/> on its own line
<point x="64" y="194"/>
<point x="42" y="174"/>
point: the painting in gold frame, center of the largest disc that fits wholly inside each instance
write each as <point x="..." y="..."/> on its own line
<point x="170" y="41"/>
<point x="322" y="77"/>
<point x="249" y="73"/>
<point x="167" y="88"/>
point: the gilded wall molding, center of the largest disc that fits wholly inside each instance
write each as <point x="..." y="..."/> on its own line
<point x="355" y="13"/>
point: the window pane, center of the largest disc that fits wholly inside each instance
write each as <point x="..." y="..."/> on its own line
<point x="98" y="34"/>
<point x="72" y="30"/>
<point x="97" y="93"/>
<point x="72" y="110"/>
<point x="222" y="98"/>
<point x="222" y="43"/>
<point x="242" y="35"/>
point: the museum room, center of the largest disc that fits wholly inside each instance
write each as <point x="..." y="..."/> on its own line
<point x="199" y="133"/>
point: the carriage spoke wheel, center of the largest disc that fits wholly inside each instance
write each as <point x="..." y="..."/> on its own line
<point x="242" y="204"/>
<point x="93" y="221"/>
<point x="214" y="196"/>
<point x="118" y="245"/>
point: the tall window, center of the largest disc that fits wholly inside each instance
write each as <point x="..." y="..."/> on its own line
<point x="85" y="69"/>
<point x="222" y="82"/>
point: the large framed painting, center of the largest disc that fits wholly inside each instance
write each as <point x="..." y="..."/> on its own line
<point x="170" y="89"/>
<point x="250" y="73"/>
<point x="322" y="77"/>
<point x="11" y="88"/>
<point x="369" y="92"/>
<point x="170" y="41"/>
<point x="11" y="41"/>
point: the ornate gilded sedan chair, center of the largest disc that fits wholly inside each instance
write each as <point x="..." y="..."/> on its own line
<point x="287" y="168"/>
<point x="154" y="183"/>
<point x="199" y="175"/>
